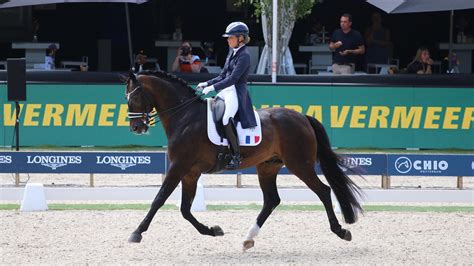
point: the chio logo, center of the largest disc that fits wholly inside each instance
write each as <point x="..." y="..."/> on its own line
<point x="403" y="165"/>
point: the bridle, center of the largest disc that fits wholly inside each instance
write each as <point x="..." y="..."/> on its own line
<point x="147" y="117"/>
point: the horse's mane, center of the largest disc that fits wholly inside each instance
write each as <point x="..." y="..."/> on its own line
<point x="170" y="78"/>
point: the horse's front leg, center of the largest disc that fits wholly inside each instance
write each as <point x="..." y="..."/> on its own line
<point x="189" y="184"/>
<point x="267" y="173"/>
<point x="171" y="181"/>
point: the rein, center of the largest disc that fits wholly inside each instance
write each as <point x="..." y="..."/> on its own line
<point x="146" y="117"/>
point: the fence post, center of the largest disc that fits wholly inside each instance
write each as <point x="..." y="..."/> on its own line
<point x="17" y="179"/>
<point x="460" y="182"/>
<point x="239" y="179"/>
<point x="91" y="180"/>
<point x="385" y="181"/>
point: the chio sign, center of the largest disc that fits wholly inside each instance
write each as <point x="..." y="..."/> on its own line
<point x="404" y="165"/>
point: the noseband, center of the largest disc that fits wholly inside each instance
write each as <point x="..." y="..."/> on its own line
<point x="144" y="116"/>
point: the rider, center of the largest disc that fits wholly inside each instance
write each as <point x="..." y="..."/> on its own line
<point x="231" y="86"/>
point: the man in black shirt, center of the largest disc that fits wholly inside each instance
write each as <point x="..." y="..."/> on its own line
<point x="141" y="63"/>
<point x="347" y="44"/>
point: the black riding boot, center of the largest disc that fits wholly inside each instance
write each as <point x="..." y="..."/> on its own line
<point x="231" y="134"/>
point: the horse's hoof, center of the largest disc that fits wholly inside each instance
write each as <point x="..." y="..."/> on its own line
<point x="135" y="238"/>
<point x="217" y="230"/>
<point x="248" y="244"/>
<point x="348" y="236"/>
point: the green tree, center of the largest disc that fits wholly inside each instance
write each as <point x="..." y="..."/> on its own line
<point x="288" y="12"/>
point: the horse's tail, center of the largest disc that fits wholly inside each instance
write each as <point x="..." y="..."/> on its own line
<point x="347" y="192"/>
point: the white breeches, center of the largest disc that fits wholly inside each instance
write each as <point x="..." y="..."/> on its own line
<point x="229" y="95"/>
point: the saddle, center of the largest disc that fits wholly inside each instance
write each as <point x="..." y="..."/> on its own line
<point x="223" y="152"/>
<point x="218" y="109"/>
<point x="216" y="133"/>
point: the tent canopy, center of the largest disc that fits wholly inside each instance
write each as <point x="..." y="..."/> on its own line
<point x="17" y="3"/>
<point x="414" y="6"/>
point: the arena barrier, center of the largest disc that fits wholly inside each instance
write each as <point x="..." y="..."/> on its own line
<point x="380" y="111"/>
<point x="385" y="165"/>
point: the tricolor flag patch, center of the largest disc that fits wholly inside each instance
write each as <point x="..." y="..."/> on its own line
<point x="251" y="139"/>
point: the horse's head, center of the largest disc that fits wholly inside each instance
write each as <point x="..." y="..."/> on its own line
<point x="139" y="106"/>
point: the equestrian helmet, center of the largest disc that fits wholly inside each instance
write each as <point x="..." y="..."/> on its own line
<point x="236" y="29"/>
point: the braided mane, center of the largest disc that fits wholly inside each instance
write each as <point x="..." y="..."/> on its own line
<point x="170" y="78"/>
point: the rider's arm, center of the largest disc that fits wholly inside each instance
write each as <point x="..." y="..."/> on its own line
<point x="242" y="65"/>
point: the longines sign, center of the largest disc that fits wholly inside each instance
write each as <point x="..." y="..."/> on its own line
<point x="82" y="162"/>
<point x="155" y="163"/>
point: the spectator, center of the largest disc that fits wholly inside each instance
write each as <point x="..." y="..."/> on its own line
<point x="347" y="44"/>
<point x="378" y="41"/>
<point x="185" y="60"/>
<point x="142" y="64"/>
<point x="50" y="58"/>
<point x="422" y="62"/>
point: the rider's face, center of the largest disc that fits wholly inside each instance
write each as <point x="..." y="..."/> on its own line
<point x="232" y="41"/>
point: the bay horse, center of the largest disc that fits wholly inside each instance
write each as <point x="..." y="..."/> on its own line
<point x="288" y="138"/>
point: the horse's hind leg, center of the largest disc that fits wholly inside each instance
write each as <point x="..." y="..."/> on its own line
<point x="306" y="172"/>
<point x="267" y="173"/>
<point x="189" y="184"/>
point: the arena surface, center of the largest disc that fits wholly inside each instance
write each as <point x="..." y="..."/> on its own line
<point x="288" y="237"/>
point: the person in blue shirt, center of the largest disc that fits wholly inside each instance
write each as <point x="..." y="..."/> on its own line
<point x="231" y="86"/>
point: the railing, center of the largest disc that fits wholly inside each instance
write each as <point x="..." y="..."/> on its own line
<point x="385" y="165"/>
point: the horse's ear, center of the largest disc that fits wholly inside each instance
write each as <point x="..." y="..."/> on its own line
<point x="132" y="76"/>
<point x="122" y="78"/>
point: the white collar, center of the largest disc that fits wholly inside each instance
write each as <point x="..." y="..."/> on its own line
<point x="236" y="49"/>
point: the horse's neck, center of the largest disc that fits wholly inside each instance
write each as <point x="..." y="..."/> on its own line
<point x="176" y="122"/>
<point x="168" y="101"/>
<point x="167" y="96"/>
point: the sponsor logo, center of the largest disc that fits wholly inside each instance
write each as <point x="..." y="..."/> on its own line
<point x="430" y="166"/>
<point x="123" y="162"/>
<point x="6" y="159"/>
<point x="354" y="162"/>
<point x="403" y="165"/>
<point x="53" y="161"/>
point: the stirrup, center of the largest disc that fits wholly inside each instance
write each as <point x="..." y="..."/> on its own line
<point x="234" y="162"/>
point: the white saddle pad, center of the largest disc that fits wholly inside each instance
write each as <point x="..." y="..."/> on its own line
<point x="247" y="137"/>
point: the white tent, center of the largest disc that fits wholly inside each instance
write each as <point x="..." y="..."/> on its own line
<point x="18" y="3"/>
<point x="415" y="6"/>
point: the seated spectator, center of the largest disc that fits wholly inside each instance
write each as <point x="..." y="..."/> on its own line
<point x="50" y="58"/>
<point x="142" y="64"/>
<point x="422" y="62"/>
<point x="185" y="60"/>
<point x="393" y="70"/>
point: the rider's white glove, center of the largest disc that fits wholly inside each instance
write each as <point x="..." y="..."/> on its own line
<point x="201" y="85"/>
<point x="208" y="89"/>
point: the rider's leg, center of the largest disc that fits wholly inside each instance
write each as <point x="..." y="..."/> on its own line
<point x="233" y="138"/>
<point x="229" y="95"/>
<point x="231" y="107"/>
